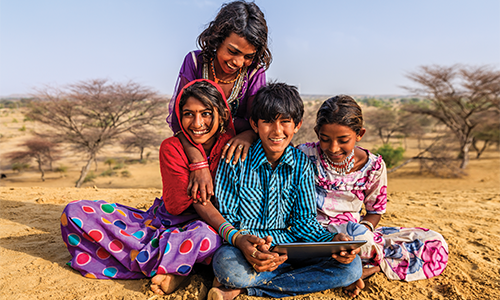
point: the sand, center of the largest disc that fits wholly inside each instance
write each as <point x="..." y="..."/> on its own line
<point x="33" y="257"/>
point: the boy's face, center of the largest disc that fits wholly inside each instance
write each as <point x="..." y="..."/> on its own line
<point x="275" y="135"/>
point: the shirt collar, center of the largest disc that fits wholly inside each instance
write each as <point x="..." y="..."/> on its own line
<point x="258" y="156"/>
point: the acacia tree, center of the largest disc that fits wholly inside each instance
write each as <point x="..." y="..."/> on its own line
<point x="91" y="114"/>
<point x="141" y="140"/>
<point x="460" y="97"/>
<point x="43" y="151"/>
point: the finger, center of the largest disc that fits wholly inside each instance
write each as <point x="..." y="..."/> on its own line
<point x="244" y="154"/>
<point x="190" y="185"/>
<point x="210" y="189"/>
<point x="194" y="190"/>
<point x="229" y="153"/>
<point x="203" y="194"/>
<point x="237" y="153"/>
<point x="225" y="148"/>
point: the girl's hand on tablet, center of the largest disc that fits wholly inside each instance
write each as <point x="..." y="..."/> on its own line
<point x="344" y="257"/>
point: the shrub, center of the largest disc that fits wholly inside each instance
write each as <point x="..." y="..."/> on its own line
<point x="22" y="128"/>
<point x="61" y="169"/>
<point x="90" y="177"/>
<point x="20" y="166"/>
<point x="391" y="156"/>
<point x="119" y="166"/>
<point x="108" y="173"/>
<point x="126" y="173"/>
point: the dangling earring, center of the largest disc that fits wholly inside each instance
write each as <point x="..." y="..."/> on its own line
<point x="222" y="129"/>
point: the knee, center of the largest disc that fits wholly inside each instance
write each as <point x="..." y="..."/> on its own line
<point x="355" y="269"/>
<point x="231" y="268"/>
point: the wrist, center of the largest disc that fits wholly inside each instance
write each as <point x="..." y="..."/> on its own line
<point x="368" y="224"/>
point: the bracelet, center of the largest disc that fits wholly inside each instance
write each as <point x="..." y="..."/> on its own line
<point x="238" y="233"/>
<point x="198" y="166"/>
<point x="369" y="224"/>
<point x="227" y="232"/>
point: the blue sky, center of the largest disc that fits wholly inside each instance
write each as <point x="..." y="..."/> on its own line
<point x="323" y="47"/>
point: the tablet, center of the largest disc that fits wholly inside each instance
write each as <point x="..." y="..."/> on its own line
<point x="311" y="250"/>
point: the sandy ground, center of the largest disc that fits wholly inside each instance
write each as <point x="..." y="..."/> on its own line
<point x="33" y="257"/>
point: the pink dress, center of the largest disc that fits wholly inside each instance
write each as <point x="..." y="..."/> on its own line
<point x="402" y="253"/>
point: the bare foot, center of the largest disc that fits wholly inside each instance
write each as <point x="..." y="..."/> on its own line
<point x="164" y="284"/>
<point x="367" y="272"/>
<point x="354" y="289"/>
<point x="221" y="293"/>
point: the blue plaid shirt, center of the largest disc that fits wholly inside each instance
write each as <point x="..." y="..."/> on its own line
<point x="279" y="202"/>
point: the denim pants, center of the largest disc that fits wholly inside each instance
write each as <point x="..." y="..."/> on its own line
<point x="290" y="278"/>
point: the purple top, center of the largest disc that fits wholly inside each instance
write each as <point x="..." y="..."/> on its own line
<point x="240" y="101"/>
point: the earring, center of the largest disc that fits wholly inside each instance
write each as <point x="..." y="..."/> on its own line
<point x="222" y="129"/>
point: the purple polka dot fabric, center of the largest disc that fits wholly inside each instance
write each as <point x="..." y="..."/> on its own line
<point x="116" y="241"/>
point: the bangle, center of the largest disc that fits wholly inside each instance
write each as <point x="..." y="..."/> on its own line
<point x="238" y="233"/>
<point x="367" y="223"/>
<point x="227" y="231"/>
<point x="198" y="166"/>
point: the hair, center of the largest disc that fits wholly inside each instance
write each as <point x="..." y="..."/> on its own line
<point x="246" y="20"/>
<point x="207" y="94"/>
<point x="275" y="100"/>
<point x="342" y="110"/>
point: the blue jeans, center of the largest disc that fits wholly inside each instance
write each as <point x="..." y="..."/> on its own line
<point x="290" y="278"/>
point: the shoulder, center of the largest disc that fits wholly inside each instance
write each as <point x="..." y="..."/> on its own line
<point x="301" y="160"/>
<point x="376" y="162"/>
<point x="172" y="147"/>
<point x="193" y="58"/>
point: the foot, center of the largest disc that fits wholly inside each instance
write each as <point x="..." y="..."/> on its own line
<point x="221" y="293"/>
<point x="367" y="272"/>
<point x="354" y="289"/>
<point x="164" y="284"/>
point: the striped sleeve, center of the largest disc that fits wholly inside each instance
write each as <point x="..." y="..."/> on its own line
<point x="226" y="191"/>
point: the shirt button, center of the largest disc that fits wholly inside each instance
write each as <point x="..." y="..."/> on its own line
<point x="272" y="189"/>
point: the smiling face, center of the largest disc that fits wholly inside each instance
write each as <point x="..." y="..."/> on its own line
<point x="200" y="122"/>
<point x="275" y="135"/>
<point x="234" y="53"/>
<point x="337" y="141"/>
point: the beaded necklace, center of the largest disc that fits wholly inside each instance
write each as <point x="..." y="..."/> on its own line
<point x="217" y="80"/>
<point x="342" y="167"/>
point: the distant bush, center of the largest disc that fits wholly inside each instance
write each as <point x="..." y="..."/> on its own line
<point x="14" y="120"/>
<point x="118" y="166"/>
<point x="126" y="173"/>
<point x="108" y="173"/>
<point x="22" y="128"/>
<point x="90" y="177"/>
<point x="391" y="156"/>
<point x="20" y="166"/>
<point x="61" y="169"/>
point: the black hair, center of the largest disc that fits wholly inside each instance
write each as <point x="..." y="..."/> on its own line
<point x="246" y="20"/>
<point x="277" y="99"/>
<point x="342" y="110"/>
<point x="207" y="94"/>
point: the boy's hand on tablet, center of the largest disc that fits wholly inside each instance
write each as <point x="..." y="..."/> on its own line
<point x="256" y="252"/>
<point x="344" y="257"/>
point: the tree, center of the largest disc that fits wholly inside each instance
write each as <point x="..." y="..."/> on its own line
<point x="43" y="151"/>
<point x="140" y="140"/>
<point x="91" y="114"/>
<point x="460" y="97"/>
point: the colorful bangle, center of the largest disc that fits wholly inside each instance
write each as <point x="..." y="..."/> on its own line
<point x="198" y="166"/>
<point x="238" y="233"/>
<point x="227" y="231"/>
<point x="367" y="223"/>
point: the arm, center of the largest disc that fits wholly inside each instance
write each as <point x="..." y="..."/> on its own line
<point x="304" y="225"/>
<point x="376" y="194"/>
<point x="253" y="248"/>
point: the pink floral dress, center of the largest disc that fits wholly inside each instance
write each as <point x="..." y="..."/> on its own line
<point x="402" y="253"/>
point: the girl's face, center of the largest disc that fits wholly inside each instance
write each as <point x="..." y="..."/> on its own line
<point x="199" y="121"/>
<point x="234" y="53"/>
<point x="337" y="141"/>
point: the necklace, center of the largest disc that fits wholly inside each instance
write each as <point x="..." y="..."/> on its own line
<point x="342" y="167"/>
<point x="217" y="80"/>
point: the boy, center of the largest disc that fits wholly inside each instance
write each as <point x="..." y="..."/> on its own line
<point x="271" y="195"/>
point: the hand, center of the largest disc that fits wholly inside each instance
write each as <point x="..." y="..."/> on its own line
<point x="261" y="261"/>
<point x="239" y="146"/>
<point x="200" y="181"/>
<point x="344" y="257"/>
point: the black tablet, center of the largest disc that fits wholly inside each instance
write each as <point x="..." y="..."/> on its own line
<point x="311" y="250"/>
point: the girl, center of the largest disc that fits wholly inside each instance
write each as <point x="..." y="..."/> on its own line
<point x="116" y="241"/>
<point x="348" y="177"/>
<point x="235" y="55"/>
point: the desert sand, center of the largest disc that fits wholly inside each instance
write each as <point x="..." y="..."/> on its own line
<point x="33" y="257"/>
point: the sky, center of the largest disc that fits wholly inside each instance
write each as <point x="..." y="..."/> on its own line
<point x="357" y="47"/>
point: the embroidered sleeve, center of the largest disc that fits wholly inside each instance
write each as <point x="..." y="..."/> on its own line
<point x="376" y="193"/>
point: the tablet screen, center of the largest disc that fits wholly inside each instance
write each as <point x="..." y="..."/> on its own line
<point x="311" y="250"/>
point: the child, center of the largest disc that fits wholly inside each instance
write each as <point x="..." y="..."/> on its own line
<point x="120" y="242"/>
<point x="235" y="55"/>
<point x="271" y="195"/>
<point x="348" y="177"/>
